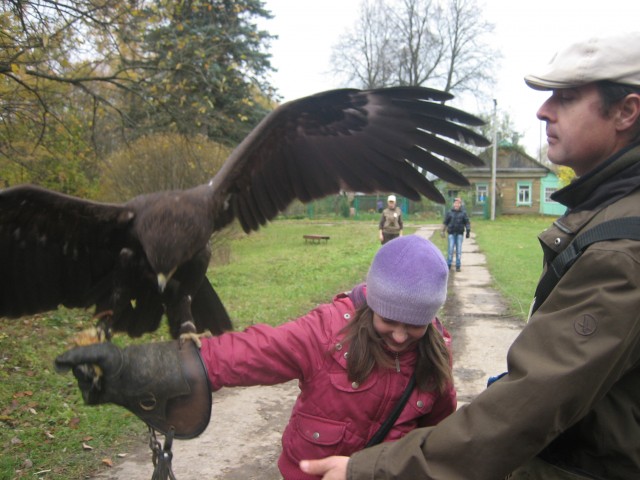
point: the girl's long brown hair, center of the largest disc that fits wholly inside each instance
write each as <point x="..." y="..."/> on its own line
<point x="433" y="367"/>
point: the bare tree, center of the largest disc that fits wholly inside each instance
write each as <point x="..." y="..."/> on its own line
<point x="470" y="61"/>
<point x="417" y="42"/>
<point x="421" y="44"/>
<point x="365" y="54"/>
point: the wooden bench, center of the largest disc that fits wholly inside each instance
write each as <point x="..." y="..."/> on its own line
<point x="315" y="238"/>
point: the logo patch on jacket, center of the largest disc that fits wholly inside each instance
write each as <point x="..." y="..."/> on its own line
<point x="585" y="325"/>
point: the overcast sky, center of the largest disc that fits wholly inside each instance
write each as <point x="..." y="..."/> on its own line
<point x="527" y="33"/>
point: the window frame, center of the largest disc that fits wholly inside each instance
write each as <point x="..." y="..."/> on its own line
<point x="521" y="187"/>
<point x="486" y="193"/>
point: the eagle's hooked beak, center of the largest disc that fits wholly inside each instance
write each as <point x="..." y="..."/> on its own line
<point x="164" y="279"/>
<point x="162" y="282"/>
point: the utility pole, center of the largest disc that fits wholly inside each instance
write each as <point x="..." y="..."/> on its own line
<point x="494" y="159"/>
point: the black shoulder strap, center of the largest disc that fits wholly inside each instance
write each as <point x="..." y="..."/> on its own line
<point x="388" y="423"/>
<point x="610" y="230"/>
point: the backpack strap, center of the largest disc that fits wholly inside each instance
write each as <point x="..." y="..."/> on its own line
<point x="395" y="413"/>
<point x="615" y="229"/>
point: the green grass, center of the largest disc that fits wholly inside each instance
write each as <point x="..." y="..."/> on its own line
<point x="43" y="423"/>
<point x="273" y="276"/>
<point x="514" y="256"/>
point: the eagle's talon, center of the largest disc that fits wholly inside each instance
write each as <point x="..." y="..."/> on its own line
<point x="99" y="333"/>
<point x="103" y="325"/>
<point x="194" y="337"/>
<point x="89" y="336"/>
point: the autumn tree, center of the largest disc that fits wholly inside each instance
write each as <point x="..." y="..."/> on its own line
<point x="209" y="62"/>
<point x="97" y="74"/>
<point x="162" y="161"/>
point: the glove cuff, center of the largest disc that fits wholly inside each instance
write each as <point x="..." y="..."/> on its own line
<point x="168" y="387"/>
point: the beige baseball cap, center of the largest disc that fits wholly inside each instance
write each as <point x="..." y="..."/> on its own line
<point x="391" y="198"/>
<point x="614" y="58"/>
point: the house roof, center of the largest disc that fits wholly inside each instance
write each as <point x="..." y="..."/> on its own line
<point x="511" y="159"/>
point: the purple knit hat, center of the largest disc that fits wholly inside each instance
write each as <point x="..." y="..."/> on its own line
<point x="407" y="280"/>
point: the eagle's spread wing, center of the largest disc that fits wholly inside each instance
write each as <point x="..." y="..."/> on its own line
<point x="56" y="249"/>
<point x="350" y="140"/>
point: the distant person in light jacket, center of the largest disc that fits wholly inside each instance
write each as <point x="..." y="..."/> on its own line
<point x="390" y="226"/>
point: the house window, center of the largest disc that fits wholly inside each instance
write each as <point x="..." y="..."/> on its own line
<point x="524" y="194"/>
<point x="548" y="191"/>
<point x="482" y="191"/>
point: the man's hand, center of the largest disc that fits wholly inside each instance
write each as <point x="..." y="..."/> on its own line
<point x="330" y="468"/>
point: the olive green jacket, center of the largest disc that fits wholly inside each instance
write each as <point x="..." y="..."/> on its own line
<point x="572" y="392"/>
<point x="391" y="221"/>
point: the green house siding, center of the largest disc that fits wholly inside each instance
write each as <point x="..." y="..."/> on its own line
<point x="550" y="184"/>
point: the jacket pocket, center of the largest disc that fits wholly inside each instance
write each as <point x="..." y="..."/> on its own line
<point x="341" y="382"/>
<point x="416" y="410"/>
<point x="314" y="437"/>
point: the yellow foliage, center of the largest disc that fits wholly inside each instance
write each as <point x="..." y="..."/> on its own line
<point x="161" y="162"/>
<point x="565" y="175"/>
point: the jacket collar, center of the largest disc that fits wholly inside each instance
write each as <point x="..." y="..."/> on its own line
<point x="617" y="177"/>
<point x="609" y="181"/>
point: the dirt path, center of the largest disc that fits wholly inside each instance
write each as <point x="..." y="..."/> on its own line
<point x="243" y="440"/>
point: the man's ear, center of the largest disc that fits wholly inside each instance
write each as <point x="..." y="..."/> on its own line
<point x="629" y="112"/>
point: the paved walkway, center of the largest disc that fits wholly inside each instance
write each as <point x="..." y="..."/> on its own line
<point x="243" y="440"/>
<point x="477" y="317"/>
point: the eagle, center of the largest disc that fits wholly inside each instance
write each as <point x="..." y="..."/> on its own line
<point x="137" y="261"/>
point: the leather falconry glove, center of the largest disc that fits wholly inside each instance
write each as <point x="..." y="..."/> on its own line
<point x="165" y="384"/>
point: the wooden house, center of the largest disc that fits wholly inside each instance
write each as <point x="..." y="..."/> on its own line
<point x="523" y="185"/>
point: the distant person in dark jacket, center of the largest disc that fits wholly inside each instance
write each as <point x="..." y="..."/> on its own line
<point x="455" y="223"/>
<point x="391" y="221"/>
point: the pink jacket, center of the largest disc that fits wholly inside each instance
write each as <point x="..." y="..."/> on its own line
<point x="332" y="415"/>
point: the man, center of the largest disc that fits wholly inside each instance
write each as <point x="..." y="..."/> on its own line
<point x="455" y="223"/>
<point x="391" y="221"/>
<point x="568" y="407"/>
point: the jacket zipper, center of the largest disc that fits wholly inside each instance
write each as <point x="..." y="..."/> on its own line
<point x="397" y="362"/>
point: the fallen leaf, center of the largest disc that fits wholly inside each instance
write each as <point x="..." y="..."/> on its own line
<point x="86" y="446"/>
<point x="121" y="455"/>
<point x="26" y="393"/>
<point x="107" y="462"/>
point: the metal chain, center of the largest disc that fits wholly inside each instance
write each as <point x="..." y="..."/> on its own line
<point x="161" y="456"/>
